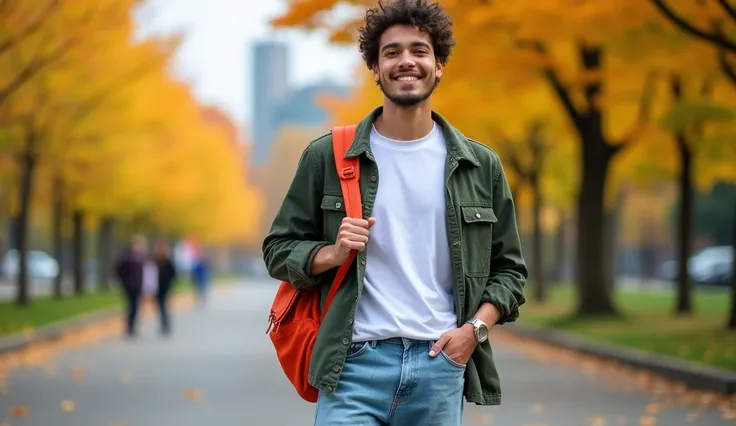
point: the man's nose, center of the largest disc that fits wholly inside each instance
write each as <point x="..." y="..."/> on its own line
<point x="407" y="60"/>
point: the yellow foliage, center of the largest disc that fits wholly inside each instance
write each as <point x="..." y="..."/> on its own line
<point x="127" y="139"/>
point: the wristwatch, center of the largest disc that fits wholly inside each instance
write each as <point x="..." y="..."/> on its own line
<point x="481" y="329"/>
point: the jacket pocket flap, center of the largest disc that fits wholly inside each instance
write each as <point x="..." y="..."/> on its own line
<point x="479" y="214"/>
<point x="333" y="202"/>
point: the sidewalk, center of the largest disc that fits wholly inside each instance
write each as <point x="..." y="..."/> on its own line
<point x="218" y="368"/>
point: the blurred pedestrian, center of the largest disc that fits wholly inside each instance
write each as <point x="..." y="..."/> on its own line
<point x="129" y="272"/>
<point x="166" y="280"/>
<point x="201" y="278"/>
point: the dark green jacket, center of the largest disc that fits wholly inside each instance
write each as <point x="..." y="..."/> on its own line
<point x="481" y="227"/>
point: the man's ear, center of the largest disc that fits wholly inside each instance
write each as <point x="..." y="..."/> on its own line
<point x="376" y="74"/>
<point x="438" y="70"/>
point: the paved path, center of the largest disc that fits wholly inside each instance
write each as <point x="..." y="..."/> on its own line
<point x="219" y="369"/>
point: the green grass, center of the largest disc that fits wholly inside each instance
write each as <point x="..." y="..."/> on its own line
<point x="648" y="323"/>
<point x="46" y="310"/>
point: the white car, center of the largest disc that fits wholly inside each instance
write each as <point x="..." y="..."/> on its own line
<point x="40" y="264"/>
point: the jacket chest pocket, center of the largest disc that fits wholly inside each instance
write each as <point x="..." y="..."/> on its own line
<point x="477" y="236"/>
<point x="333" y="212"/>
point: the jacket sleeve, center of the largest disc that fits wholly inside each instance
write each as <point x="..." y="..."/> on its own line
<point x="296" y="232"/>
<point x="505" y="287"/>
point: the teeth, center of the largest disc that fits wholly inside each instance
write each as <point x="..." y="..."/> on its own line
<point x="407" y="78"/>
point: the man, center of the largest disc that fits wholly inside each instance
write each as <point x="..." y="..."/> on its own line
<point x="129" y="271"/>
<point x="439" y="259"/>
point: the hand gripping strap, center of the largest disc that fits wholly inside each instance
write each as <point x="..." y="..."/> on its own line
<point x="348" y="169"/>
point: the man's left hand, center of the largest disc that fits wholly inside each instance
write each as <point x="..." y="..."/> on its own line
<point x="458" y="344"/>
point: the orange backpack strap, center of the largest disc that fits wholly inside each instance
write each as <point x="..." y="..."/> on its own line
<point x="348" y="169"/>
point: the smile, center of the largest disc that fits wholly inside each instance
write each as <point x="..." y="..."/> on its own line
<point x="407" y="78"/>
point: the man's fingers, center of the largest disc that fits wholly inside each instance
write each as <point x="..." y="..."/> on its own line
<point x="355" y="245"/>
<point x="439" y="344"/>
<point x="362" y="223"/>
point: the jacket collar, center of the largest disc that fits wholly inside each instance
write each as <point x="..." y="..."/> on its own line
<point x="457" y="144"/>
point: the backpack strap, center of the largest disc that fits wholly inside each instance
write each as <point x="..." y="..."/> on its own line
<point x="348" y="169"/>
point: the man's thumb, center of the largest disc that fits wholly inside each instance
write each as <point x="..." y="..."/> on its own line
<point x="371" y="222"/>
<point x="438" y="345"/>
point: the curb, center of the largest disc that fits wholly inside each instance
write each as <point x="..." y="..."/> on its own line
<point x="698" y="376"/>
<point x="20" y="340"/>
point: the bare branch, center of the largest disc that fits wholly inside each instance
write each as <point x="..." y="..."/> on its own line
<point x="33" y="68"/>
<point x="31" y="29"/>
<point x="645" y="110"/>
<point x="717" y="39"/>
<point x="726" y="66"/>
<point x="550" y="73"/>
<point x="730" y="10"/>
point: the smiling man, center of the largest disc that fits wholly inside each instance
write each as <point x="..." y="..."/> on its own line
<point x="439" y="260"/>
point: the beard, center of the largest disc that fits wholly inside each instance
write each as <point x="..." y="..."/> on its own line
<point x="409" y="99"/>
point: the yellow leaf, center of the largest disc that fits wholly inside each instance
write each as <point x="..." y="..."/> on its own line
<point x="67" y="406"/>
<point x="647" y="421"/>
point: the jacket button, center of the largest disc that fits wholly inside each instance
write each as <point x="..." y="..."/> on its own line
<point x="477" y="215"/>
<point x="350" y="321"/>
<point x="329" y="388"/>
<point x="374" y="178"/>
<point x="338" y="205"/>
<point x="336" y="369"/>
<point x="345" y="341"/>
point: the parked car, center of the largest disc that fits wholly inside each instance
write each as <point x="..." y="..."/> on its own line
<point x="40" y="264"/>
<point x="709" y="266"/>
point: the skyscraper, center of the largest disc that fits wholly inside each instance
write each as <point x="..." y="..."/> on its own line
<point x="270" y="90"/>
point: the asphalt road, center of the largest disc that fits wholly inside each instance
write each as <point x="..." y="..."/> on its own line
<point x="219" y="369"/>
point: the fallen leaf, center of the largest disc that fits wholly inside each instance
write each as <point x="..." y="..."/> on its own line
<point x="192" y="394"/>
<point x="537" y="408"/>
<point x="652" y="408"/>
<point x="596" y="421"/>
<point x="67" y="406"/>
<point x="647" y="421"/>
<point x="18" y="411"/>
<point x="482" y="418"/>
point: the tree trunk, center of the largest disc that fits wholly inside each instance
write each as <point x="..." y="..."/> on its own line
<point x="540" y="288"/>
<point x="58" y="241"/>
<point x="684" y="240"/>
<point x="28" y="168"/>
<point x="560" y="246"/>
<point x="593" y="296"/>
<point x="79" y="275"/>
<point x="105" y="253"/>
<point x="684" y="231"/>
<point x="732" y="320"/>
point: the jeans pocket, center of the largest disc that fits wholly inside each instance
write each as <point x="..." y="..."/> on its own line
<point x="356" y="349"/>
<point x="451" y="361"/>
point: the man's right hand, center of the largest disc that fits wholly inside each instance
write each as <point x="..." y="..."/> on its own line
<point x="352" y="235"/>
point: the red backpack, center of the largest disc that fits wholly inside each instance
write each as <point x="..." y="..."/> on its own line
<point x="295" y="315"/>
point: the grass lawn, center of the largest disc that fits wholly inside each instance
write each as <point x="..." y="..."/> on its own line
<point x="46" y="310"/>
<point x="648" y="323"/>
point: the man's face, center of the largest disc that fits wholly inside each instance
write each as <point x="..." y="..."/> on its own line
<point x="407" y="71"/>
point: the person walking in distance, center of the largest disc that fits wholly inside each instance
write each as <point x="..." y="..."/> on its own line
<point x="129" y="272"/>
<point x="166" y="274"/>
<point x="439" y="260"/>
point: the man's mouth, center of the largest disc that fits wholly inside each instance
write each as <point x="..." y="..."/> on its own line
<point x="407" y="78"/>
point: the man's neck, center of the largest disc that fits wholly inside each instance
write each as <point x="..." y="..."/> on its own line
<point x="405" y="123"/>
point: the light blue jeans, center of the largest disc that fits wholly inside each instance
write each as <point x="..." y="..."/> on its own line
<point x="394" y="382"/>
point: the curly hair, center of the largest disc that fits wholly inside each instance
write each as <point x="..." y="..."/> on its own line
<point x="429" y="18"/>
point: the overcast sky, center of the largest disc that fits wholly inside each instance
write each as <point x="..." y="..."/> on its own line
<point x="215" y="55"/>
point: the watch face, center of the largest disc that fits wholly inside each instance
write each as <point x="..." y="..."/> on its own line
<point x="482" y="333"/>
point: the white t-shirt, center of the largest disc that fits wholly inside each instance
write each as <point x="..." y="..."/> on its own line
<point x="408" y="289"/>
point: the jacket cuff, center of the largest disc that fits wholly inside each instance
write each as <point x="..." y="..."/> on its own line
<point x="501" y="297"/>
<point x="299" y="263"/>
